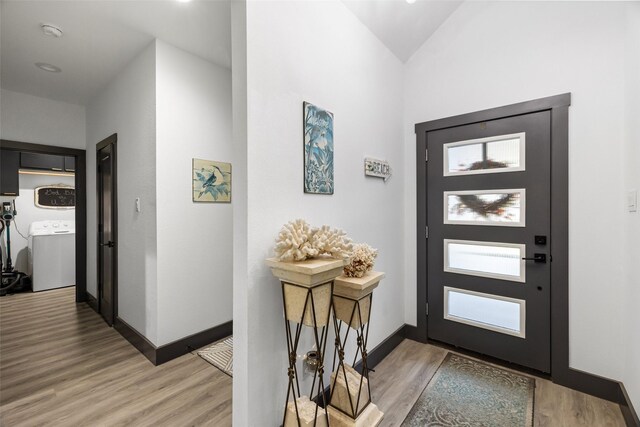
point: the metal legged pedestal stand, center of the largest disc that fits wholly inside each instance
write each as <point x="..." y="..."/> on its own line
<point x="307" y="288"/>
<point x="350" y="390"/>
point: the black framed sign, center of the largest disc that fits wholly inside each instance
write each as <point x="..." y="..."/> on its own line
<point x="55" y="197"/>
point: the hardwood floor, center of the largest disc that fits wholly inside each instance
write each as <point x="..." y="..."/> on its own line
<point x="401" y="377"/>
<point x="61" y="365"/>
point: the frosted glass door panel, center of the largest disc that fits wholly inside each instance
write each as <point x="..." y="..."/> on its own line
<point x="488" y="207"/>
<point x="485" y="259"/>
<point x="504" y="153"/>
<point x="496" y="313"/>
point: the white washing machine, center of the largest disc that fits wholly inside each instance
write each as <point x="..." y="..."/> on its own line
<point x="52" y="254"/>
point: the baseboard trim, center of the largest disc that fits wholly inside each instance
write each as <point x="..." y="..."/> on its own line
<point x="187" y="344"/>
<point x="136" y="339"/>
<point x="91" y="301"/>
<point x="628" y="412"/>
<point x="592" y="384"/>
<point x="167" y="352"/>
<point x="414" y="334"/>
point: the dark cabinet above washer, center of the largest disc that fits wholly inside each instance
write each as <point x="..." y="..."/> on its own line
<point x="49" y="162"/>
<point x="9" y="165"/>
<point x="41" y="161"/>
<point x="69" y="164"/>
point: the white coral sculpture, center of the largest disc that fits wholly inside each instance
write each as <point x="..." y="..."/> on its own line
<point x="298" y="241"/>
<point x="294" y="241"/>
<point x="362" y="260"/>
<point x="333" y="242"/>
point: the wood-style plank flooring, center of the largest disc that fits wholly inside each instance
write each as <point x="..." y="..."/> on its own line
<point x="61" y="365"/>
<point x="401" y="377"/>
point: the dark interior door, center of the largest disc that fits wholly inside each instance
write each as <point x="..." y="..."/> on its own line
<point x="106" y="233"/>
<point x="488" y="218"/>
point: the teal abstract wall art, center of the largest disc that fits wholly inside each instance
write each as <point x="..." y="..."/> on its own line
<point x="318" y="150"/>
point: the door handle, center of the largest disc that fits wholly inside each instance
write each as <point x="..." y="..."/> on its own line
<point x="540" y="258"/>
<point x="109" y="244"/>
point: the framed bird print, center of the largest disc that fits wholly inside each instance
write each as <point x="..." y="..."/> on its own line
<point x="318" y="150"/>
<point x="211" y="181"/>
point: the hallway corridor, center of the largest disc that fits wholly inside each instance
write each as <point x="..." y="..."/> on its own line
<point x="62" y="366"/>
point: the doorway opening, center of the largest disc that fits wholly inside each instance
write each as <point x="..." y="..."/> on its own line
<point x="169" y="98"/>
<point x="492" y="221"/>
<point x="37" y="161"/>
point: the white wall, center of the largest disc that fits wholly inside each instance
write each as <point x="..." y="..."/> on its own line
<point x="127" y="106"/>
<point x="28" y="212"/>
<point x="195" y="240"/>
<point x="491" y="54"/>
<point x="632" y="224"/>
<point x="240" y="213"/>
<point x="175" y="256"/>
<point x="28" y="118"/>
<point x="317" y="52"/>
<point x="31" y="119"/>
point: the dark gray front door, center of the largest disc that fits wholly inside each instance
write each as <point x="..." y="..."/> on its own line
<point x="488" y="207"/>
<point x="106" y="238"/>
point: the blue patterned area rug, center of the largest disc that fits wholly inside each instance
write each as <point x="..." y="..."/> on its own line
<point x="467" y="393"/>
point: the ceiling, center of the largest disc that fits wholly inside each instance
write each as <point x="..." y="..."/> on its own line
<point x="100" y="38"/>
<point x="401" y="26"/>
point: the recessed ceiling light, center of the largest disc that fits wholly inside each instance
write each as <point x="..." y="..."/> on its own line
<point x="184" y="1"/>
<point x="48" y="67"/>
<point x="411" y="1"/>
<point x="51" y="30"/>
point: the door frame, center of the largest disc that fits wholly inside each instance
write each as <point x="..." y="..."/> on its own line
<point x="81" y="203"/>
<point x="110" y="140"/>
<point x="531" y="345"/>
<point x="558" y="106"/>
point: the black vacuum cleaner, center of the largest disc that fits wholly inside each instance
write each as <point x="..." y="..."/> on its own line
<point x="12" y="281"/>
